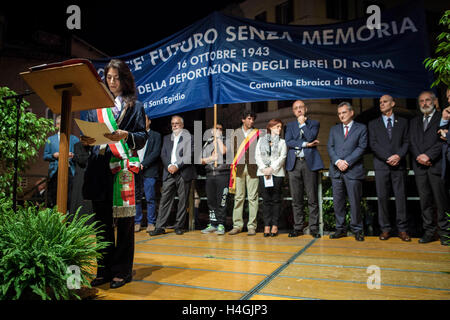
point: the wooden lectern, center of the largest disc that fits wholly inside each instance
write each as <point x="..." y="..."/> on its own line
<point x="66" y="87"/>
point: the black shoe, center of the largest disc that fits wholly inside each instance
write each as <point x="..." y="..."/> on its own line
<point x="179" y="231"/>
<point x="118" y="284"/>
<point x="338" y="234"/>
<point x="359" y="236"/>
<point x="157" y="232"/>
<point x="315" y="235"/>
<point x="295" y="233"/>
<point x="266" y="235"/>
<point x="427" y="238"/>
<point x="445" y="241"/>
<point x="99" y="281"/>
<point x="274" y="234"/>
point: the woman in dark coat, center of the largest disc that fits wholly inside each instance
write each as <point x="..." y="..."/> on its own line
<point x="109" y="176"/>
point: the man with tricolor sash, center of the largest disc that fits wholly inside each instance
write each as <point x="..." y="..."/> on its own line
<point x="243" y="175"/>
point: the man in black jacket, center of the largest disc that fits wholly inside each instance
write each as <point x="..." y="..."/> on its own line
<point x="388" y="139"/>
<point x="426" y="151"/>
<point x="146" y="178"/>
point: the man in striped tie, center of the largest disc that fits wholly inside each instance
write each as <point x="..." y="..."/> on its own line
<point x="346" y="145"/>
<point x="388" y="139"/>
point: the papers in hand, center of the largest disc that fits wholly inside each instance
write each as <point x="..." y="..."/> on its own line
<point x="268" y="181"/>
<point x="94" y="130"/>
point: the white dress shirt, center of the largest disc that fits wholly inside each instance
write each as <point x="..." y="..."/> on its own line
<point x="173" y="157"/>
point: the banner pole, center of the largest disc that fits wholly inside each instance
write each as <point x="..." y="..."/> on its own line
<point x="214" y="132"/>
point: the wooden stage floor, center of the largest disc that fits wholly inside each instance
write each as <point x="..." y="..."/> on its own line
<point x="197" y="266"/>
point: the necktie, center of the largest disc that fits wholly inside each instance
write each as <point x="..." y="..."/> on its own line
<point x="425" y="123"/>
<point x="299" y="153"/>
<point x="389" y="128"/>
<point x="346" y="131"/>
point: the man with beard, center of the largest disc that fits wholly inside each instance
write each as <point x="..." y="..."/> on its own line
<point x="427" y="161"/>
<point x="178" y="173"/>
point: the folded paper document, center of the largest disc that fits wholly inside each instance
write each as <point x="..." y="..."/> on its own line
<point x="94" y="130"/>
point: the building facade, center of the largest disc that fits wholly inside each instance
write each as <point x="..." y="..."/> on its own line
<point x="307" y="12"/>
<point x="18" y="52"/>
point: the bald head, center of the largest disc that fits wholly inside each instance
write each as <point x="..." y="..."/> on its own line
<point x="387" y="104"/>
<point x="299" y="108"/>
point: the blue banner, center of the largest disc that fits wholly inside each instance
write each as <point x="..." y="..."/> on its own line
<point x="223" y="59"/>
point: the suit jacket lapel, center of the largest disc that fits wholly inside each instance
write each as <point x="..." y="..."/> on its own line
<point x="384" y="130"/>
<point x="432" y="120"/>
<point x="296" y="130"/>
<point x="170" y="145"/>
<point x="179" y="151"/>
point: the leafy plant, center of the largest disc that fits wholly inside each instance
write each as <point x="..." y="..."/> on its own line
<point x="329" y="219"/>
<point x="441" y="64"/>
<point x="33" y="133"/>
<point x="37" y="247"/>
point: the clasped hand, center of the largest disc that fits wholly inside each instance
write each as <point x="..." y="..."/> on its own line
<point x="172" y="169"/>
<point x="342" y="165"/>
<point x="423" y="159"/>
<point x="393" y="160"/>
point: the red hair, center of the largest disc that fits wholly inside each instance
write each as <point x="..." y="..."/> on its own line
<point x="272" y="123"/>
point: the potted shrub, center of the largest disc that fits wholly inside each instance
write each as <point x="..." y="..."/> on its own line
<point x="44" y="257"/>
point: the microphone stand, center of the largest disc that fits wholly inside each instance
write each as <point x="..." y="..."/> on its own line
<point x="19" y="99"/>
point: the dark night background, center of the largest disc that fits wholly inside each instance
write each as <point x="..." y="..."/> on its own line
<point x="114" y="27"/>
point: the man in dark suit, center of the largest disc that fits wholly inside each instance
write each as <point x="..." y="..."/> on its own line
<point x="389" y="141"/>
<point x="178" y="172"/>
<point x="445" y="136"/>
<point x="346" y="145"/>
<point x="303" y="164"/>
<point x="146" y="178"/>
<point x="427" y="160"/>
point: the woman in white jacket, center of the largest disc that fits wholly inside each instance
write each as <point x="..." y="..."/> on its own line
<point x="270" y="157"/>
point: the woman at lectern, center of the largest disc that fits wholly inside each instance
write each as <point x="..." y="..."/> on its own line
<point x="109" y="176"/>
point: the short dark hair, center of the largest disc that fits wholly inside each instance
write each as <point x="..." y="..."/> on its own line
<point x="247" y="113"/>
<point x="126" y="81"/>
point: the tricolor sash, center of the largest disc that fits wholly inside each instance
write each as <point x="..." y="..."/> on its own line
<point x="251" y="137"/>
<point x="124" y="162"/>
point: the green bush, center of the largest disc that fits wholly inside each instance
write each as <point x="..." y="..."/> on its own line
<point x="329" y="219"/>
<point x="441" y="64"/>
<point x="33" y="132"/>
<point x="36" y="248"/>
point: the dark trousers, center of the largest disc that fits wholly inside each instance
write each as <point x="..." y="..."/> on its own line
<point x="302" y="179"/>
<point x="216" y="193"/>
<point x="353" y="188"/>
<point x="271" y="200"/>
<point x="145" y="187"/>
<point x="117" y="258"/>
<point x="52" y="190"/>
<point x="433" y="197"/>
<point x="173" y="185"/>
<point x="395" y="180"/>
